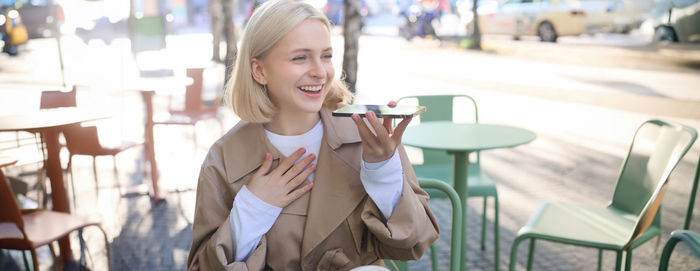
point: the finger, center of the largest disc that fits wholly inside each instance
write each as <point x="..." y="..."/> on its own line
<point x="299" y="167"/>
<point x="292" y="196"/>
<point x="364" y="131"/>
<point x="387" y="123"/>
<point x="299" y="179"/>
<point x="265" y="167"/>
<point x="398" y="132"/>
<point x="382" y="134"/>
<point x="289" y="161"/>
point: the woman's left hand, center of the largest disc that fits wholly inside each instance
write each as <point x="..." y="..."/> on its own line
<point x="382" y="145"/>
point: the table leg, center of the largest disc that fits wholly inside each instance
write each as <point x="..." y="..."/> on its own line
<point x="460" y="183"/>
<point x="149" y="142"/>
<point x="58" y="188"/>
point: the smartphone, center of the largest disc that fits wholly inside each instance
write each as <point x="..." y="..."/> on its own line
<point x="382" y="111"/>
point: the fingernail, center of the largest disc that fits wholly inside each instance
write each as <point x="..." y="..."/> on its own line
<point x="267" y="156"/>
<point x="355" y="116"/>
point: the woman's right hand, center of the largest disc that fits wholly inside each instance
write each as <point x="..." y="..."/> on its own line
<point x="280" y="187"/>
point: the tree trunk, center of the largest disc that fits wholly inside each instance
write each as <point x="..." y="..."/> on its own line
<point x="217" y="27"/>
<point x="476" y="35"/>
<point x="230" y="36"/>
<point x="351" y="34"/>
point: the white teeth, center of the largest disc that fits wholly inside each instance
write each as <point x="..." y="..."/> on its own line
<point x="311" y="88"/>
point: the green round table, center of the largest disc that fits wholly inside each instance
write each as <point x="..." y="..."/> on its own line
<point x="460" y="139"/>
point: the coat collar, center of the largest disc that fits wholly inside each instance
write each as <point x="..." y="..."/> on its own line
<point x="246" y="144"/>
<point x="336" y="177"/>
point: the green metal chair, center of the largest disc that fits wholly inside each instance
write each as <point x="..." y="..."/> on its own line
<point x="691" y="202"/>
<point x="689" y="238"/>
<point x="632" y="217"/>
<point x="456" y="229"/>
<point x="439" y="164"/>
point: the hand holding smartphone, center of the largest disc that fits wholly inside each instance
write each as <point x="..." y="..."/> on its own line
<point x="382" y="111"/>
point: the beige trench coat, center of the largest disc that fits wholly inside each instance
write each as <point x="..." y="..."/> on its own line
<point x="336" y="226"/>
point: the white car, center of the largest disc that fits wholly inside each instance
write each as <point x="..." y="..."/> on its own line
<point x="550" y="19"/>
<point x="676" y="21"/>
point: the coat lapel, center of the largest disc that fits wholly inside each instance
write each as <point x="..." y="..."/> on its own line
<point x="245" y="150"/>
<point x="337" y="188"/>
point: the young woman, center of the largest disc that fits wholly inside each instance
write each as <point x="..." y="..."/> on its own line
<point x="290" y="187"/>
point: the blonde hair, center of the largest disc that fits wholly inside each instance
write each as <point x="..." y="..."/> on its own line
<point x="268" y="24"/>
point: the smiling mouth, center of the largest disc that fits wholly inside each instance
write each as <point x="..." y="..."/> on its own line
<point x="311" y="89"/>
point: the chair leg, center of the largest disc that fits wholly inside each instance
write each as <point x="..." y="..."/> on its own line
<point x="72" y="179"/>
<point x="600" y="258"/>
<point x="107" y="250"/>
<point x="618" y="261"/>
<point x="35" y="259"/>
<point x="116" y="173"/>
<point x="531" y="254"/>
<point x="26" y="262"/>
<point x="628" y="260"/>
<point x="666" y="254"/>
<point x="496" y="235"/>
<point x="94" y="172"/>
<point x="483" y="224"/>
<point x="434" y="257"/>
<point x="514" y="252"/>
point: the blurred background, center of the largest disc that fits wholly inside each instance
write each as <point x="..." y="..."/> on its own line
<point x="581" y="74"/>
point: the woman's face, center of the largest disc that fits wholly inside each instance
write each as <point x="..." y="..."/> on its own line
<point x="298" y="69"/>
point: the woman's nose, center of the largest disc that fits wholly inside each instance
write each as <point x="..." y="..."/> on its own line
<point x="318" y="69"/>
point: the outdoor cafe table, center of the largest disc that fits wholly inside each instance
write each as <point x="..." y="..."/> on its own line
<point x="460" y="139"/>
<point x="50" y="123"/>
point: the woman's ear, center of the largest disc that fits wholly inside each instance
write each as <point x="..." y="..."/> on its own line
<point x="258" y="72"/>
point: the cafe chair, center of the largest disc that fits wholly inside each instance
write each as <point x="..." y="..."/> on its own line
<point x="690" y="239"/>
<point x="28" y="229"/>
<point x="455" y="243"/>
<point x="632" y="217"/>
<point x="439" y="164"/>
<point x="81" y="140"/>
<point x="195" y="109"/>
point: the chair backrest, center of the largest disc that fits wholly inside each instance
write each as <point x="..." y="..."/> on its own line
<point x="656" y="149"/>
<point x="440" y="109"/>
<point x="193" y="92"/>
<point x="10" y="211"/>
<point x="58" y="98"/>
<point x="79" y="139"/>
<point x="82" y="139"/>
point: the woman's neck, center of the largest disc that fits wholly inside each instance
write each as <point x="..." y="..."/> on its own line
<point x="292" y="124"/>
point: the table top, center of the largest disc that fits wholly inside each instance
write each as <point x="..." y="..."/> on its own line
<point x="450" y="136"/>
<point x="47" y="118"/>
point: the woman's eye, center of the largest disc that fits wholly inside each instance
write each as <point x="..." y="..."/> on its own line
<point x="328" y="56"/>
<point x="299" y="58"/>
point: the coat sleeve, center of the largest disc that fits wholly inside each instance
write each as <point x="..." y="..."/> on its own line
<point x="212" y="245"/>
<point x="412" y="227"/>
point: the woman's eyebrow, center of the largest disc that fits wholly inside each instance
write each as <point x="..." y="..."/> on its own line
<point x="305" y="50"/>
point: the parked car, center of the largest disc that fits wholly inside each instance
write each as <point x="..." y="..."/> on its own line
<point x="677" y="21"/>
<point x="550" y="19"/>
<point x="39" y="18"/>
<point x="12" y="31"/>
